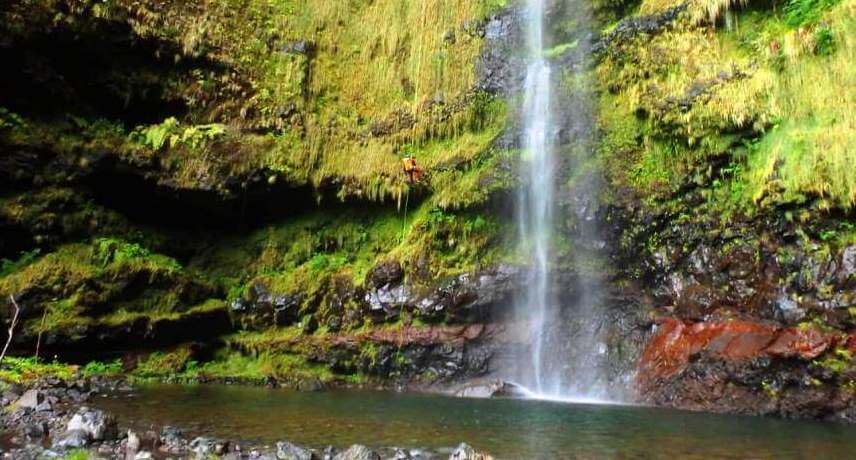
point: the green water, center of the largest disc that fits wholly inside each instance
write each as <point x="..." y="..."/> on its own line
<point x="509" y="429"/>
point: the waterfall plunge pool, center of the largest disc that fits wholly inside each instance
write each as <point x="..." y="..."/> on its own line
<point x="506" y="428"/>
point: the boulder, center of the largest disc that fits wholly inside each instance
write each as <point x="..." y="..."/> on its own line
<point x="357" y="452"/>
<point x="96" y="424"/>
<point x="171" y="438"/>
<point x="208" y="447"/>
<point x="288" y="451"/>
<point x="30" y="400"/>
<point x="385" y="273"/>
<point x="72" y="439"/>
<point x="411" y="454"/>
<point x="492" y="388"/>
<point x="132" y="447"/>
<point x="466" y="452"/>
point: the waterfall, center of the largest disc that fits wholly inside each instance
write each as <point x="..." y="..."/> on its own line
<point x="536" y="201"/>
<point x="565" y="352"/>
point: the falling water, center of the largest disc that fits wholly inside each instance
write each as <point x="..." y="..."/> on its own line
<point x="565" y="355"/>
<point x="536" y="200"/>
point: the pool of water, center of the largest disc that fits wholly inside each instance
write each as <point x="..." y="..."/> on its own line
<point x="509" y="429"/>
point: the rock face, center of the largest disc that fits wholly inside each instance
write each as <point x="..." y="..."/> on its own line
<point x="676" y="343"/>
<point x="745" y="319"/>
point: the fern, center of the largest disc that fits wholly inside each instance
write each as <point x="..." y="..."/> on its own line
<point x="170" y="133"/>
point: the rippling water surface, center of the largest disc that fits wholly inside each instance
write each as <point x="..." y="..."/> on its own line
<point x="509" y="429"/>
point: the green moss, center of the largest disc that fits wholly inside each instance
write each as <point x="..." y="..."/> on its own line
<point x="23" y="370"/>
<point x="559" y="50"/>
<point x="160" y="363"/>
<point x="838" y="361"/>
<point x="94" y="368"/>
<point x="77" y="454"/>
<point x="758" y="93"/>
<point x="26" y="258"/>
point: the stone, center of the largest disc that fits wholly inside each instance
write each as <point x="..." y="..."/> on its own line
<point x="144" y="455"/>
<point x="30" y="400"/>
<point x="411" y="454"/>
<point x="288" y="451"/>
<point x="36" y="430"/>
<point x="305" y="47"/>
<point x="98" y="425"/>
<point x="171" y="438"/>
<point x="44" y="406"/>
<point x="491" y="388"/>
<point x="208" y="447"/>
<point x="357" y="452"/>
<point x="72" y="439"/>
<point x="847" y="271"/>
<point x="132" y="446"/>
<point x="389" y="298"/>
<point x="384" y="273"/>
<point x="788" y="310"/>
<point x="465" y="452"/>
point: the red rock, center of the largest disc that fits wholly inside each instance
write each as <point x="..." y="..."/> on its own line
<point x="674" y="344"/>
<point x="806" y="343"/>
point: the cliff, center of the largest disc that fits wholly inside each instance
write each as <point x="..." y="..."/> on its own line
<point x="214" y="190"/>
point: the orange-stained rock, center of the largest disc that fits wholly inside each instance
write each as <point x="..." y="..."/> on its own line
<point x="802" y="343"/>
<point x="675" y="343"/>
<point x="851" y="342"/>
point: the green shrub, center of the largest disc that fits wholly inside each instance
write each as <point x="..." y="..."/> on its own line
<point x="824" y="41"/>
<point x="26" y="258"/>
<point x="170" y="133"/>
<point x="9" y="119"/>
<point x="800" y="12"/>
<point x="102" y="368"/>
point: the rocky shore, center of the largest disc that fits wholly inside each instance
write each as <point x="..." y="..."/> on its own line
<point x="53" y="419"/>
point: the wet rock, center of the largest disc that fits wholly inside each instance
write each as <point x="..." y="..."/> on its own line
<point x="469" y="296"/>
<point x="632" y="27"/>
<point x="788" y="310"/>
<point x="172" y="440"/>
<point x="385" y="273"/>
<point x="305" y="47"/>
<point x="328" y="453"/>
<point x="143" y="455"/>
<point x="205" y="448"/>
<point x="411" y="454"/>
<point x="500" y="70"/>
<point x="847" y="269"/>
<point x="493" y="388"/>
<point x="288" y="451"/>
<point x="389" y="299"/>
<point x="32" y="452"/>
<point x="262" y="308"/>
<point x="357" y="452"/>
<point x="96" y="424"/>
<point x="676" y="343"/>
<point x="72" y="439"/>
<point x="132" y="446"/>
<point x="466" y="452"/>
